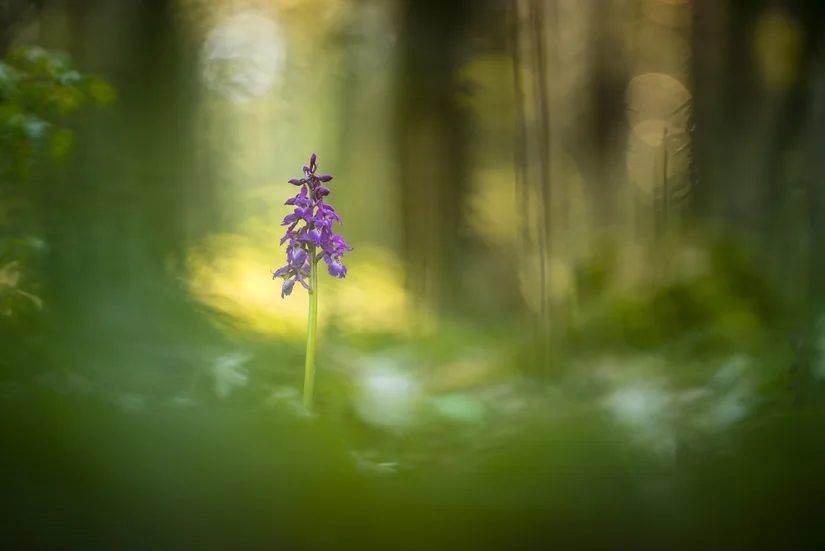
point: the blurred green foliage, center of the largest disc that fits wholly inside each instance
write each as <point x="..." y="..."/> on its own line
<point x="39" y="91"/>
<point x="713" y="300"/>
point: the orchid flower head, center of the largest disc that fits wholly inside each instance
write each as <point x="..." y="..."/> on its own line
<point x="309" y="232"/>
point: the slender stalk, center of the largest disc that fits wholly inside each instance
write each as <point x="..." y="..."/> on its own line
<point x="312" y="331"/>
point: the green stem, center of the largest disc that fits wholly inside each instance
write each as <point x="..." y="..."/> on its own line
<point x="312" y="331"/>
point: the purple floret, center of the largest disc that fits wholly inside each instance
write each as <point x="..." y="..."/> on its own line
<point x="310" y="232"/>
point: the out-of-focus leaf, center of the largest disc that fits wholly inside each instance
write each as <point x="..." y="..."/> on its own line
<point x="70" y="78"/>
<point x="34" y="128"/>
<point x="10" y="274"/>
<point x="60" y="144"/>
<point x="66" y="100"/>
<point x="9" y="78"/>
<point x="100" y="92"/>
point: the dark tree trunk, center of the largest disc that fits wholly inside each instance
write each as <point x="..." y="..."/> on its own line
<point x="431" y="130"/>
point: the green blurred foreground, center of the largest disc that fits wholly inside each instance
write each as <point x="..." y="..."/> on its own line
<point x="85" y="473"/>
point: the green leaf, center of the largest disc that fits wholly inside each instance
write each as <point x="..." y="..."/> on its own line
<point x="60" y="144"/>
<point x="101" y="92"/>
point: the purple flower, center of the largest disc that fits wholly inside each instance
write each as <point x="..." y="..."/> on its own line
<point x="335" y="267"/>
<point x="286" y="289"/>
<point x="310" y="232"/>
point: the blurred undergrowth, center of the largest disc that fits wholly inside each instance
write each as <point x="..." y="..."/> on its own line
<point x="40" y="90"/>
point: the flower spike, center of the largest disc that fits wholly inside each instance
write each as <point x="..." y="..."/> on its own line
<point x="310" y="238"/>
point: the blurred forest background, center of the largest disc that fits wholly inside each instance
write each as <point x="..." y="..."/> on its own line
<point x="586" y="287"/>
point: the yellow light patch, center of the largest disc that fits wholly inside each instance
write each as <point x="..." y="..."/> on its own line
<point x="232" y="274"/>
